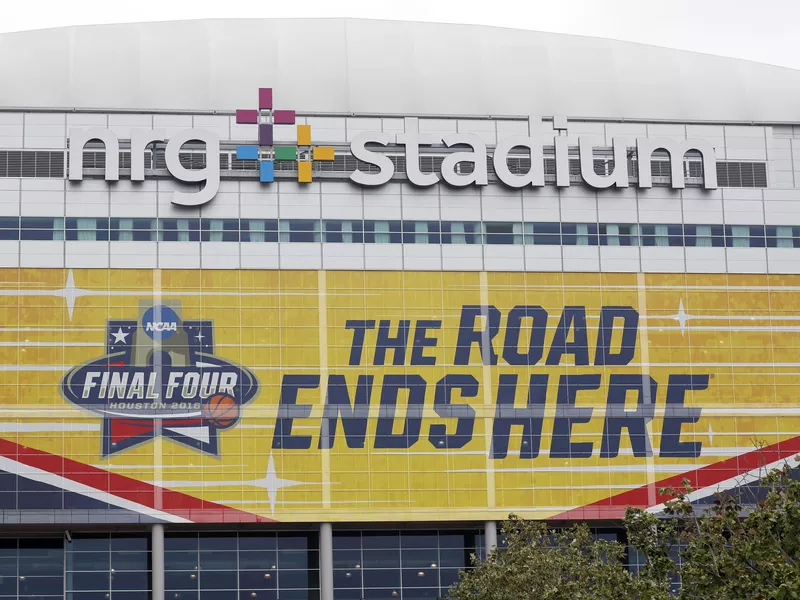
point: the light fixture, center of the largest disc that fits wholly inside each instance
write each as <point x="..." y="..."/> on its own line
<point x="348" y="574"/>
<point x="421" y="574"/>
<point x="394" y="593"/>
<point x="433" y="565"/>
<point x="358" y="565"/>
<point x="267" y="576"/>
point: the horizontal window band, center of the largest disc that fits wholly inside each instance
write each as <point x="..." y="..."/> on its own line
<point x="398" y="232"/>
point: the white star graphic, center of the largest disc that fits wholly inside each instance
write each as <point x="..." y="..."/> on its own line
<point x="119" y="336"/>
<point x="199" y="336"/>
<point x="272" y="483"/>
<point x="682" y="317"/>
<point x="70" y="293"/>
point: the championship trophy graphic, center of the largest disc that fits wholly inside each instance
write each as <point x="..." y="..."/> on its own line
<point x="160" y="377"/>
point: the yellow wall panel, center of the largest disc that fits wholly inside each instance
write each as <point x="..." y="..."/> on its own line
<point x="304" y="135"/>
<point x="414" y="418"/>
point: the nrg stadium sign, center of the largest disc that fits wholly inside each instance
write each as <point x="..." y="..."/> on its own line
<point x="468" y="148"/>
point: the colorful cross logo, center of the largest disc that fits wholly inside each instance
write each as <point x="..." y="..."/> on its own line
<point x="267" y="153"/>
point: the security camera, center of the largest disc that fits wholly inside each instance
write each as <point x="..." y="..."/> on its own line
<point x="68" y="536"/>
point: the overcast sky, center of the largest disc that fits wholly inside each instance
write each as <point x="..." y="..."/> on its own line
<point x="761" y="30"/>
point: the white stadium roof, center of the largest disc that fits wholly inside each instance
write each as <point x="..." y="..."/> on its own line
<point x="382" y="67"/>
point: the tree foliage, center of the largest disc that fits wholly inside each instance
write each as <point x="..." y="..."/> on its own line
<point x="548" y="564"/>
<point x="720" y="551"/>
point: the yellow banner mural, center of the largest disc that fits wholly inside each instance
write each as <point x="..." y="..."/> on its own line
<point x="350" y="396"/>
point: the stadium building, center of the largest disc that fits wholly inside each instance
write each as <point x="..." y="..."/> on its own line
<point x="302" y="309"/>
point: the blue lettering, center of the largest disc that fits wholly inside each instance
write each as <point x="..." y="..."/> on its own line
<point x="630" y="319"/>
<point x="359" y="332"/>
<point x="421" y="342"/>
<point x="467" y="335"/>
<point x="437" y="434"/>
<point x="530" y="417"/>
<point x="567" y="415"/>
<point x="392" y="384"/>
<point x="288" y="410"/>
<point x="354" y="416"/>
<point x="634" y="421"/>
<point x="677" y="414"/>
<point x="511" y="353"/>
<point x="397" y="343"/>
<point x="574" y="317"/>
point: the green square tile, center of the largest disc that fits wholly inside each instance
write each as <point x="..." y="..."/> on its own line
<point x="286" y="153"/>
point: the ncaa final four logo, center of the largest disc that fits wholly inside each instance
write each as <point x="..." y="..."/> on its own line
<point x="160" y="377"/>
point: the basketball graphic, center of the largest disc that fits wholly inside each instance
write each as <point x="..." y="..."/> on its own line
<point x="221" y="411"/>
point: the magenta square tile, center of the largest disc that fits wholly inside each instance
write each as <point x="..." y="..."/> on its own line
<point x="284" y="117"/>
<point x="264" y="97"/>
<point x="247" y="116"/>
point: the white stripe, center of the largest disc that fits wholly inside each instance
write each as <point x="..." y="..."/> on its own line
<point x="668" y="288"/>
<point x="696" y="366"/>
<point x="35" y="474"/>
<point x="45" y="427"/>
<point x="608" y="469"/>
<point x="204" y="469"/>
<point x="34" y="368"/>
<point x="690" y="328"/>
<point x="52" y="329"/>
<point x="268" y="411"/>
<point x="313" y="502"/>
<point x="52" y="344"/>
<point x="739" y="480"/>
<point x="124" y="415"/>
<point x="730" y="317"/>
<point x="83" y="292"/>
<point x="633" y="365"/>
<point x="595" y="452"/>
<point x="273" y="426"/>
<point x="745" y="411"/>
<point x="19" y="283"/>
<point x="66" y="411"/>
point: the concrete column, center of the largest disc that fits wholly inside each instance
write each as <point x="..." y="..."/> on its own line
<point x="157" y="560"/>
<point x="326" y="561"/>
<point x="490" y="536"/>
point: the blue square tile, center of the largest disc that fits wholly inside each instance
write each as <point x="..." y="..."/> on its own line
<point x="247" y="152"/>
<point x="267" y="173"/>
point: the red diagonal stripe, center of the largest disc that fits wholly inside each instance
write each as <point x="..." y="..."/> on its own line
<point x="614" y="506"/>
<point x="158" y="498"/>
<point x="123" y="429"/>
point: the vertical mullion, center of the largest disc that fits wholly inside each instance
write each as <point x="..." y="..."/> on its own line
<point x="238" y="569"/>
